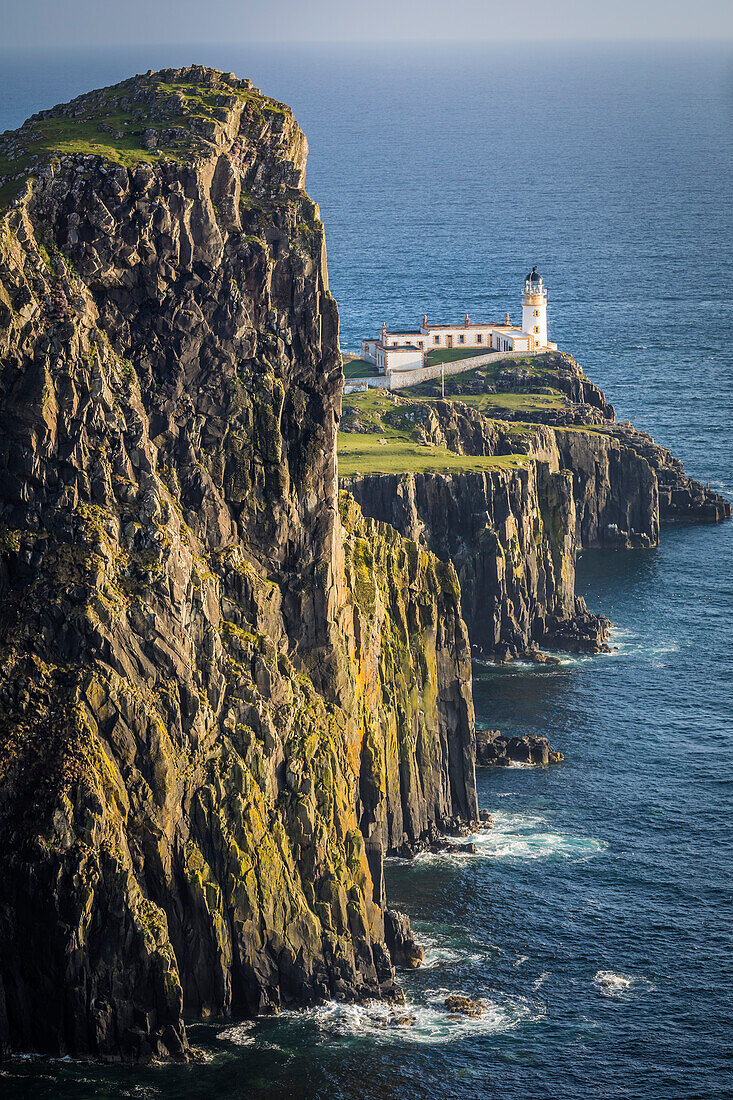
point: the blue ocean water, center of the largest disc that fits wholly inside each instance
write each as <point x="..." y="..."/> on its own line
<point x="596" y="920"/>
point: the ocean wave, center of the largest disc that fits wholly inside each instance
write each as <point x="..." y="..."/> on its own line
<point x="526" y="837"/>
<point x="566" y="659"/>
<point x="628" y="644"/>
<point x="427" y="1022"/>
<point x="513" y="837"/>
<point x="240" y="1034"/>
<point x="439" y="954"/>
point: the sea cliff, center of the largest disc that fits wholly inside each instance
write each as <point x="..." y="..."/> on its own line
<point x="213" y="722"/>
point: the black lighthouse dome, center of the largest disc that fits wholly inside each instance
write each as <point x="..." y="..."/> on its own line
<point x="534" y="276"/>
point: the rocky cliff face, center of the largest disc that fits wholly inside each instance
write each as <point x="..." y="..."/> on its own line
<point x="624" y="482"/>
<point x="511" y="535"/>
<point x="214" y="720"/>
<point x="412" y="696"/>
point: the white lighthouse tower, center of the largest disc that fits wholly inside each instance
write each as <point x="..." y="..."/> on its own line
<point x="534" y="308"/>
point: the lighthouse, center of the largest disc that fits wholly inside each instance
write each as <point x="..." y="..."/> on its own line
<point x="534" y="308"/>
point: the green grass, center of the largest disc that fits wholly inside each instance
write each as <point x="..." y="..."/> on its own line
<point x="513" y="402"/>
<point x="381" y="432"/>
<point x="390" y="444"/>
<point x="471" y="387"/>
<point x="359" y="368"/>
<point x="365" y="454"/>
<point x="450" y="355"/>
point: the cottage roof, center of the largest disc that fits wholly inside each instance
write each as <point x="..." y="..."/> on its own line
<point x="391" y="348"/>
<point x="460" y="327"/>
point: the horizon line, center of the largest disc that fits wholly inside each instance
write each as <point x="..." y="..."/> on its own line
<point x="394" y="43"/>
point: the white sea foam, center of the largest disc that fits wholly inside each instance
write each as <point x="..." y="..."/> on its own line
<point x="623" y="643"/>
<point x="526" y="836"/>
<point x="628" y="644"/>
<point x="426" y="1023"/>
<point x="240" y="1034"/>
<point x="517" y="837"/>
<point x="440" y="954"/>
<point x="615" y="985"/>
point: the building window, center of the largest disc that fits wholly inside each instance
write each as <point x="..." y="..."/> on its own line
<point x="479" y="339"/>
<point x="461" y="339"/>
<point x="537" y="328"/>
<point x="536" y="313"/>
<point x="436" y="339"/>
<point x="420" y="344"/>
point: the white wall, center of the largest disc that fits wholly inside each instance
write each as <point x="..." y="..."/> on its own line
<point x="469" y="334"/>
<point x="397" y="380"/>
<point x="530" y="322"/>
<point x="404" y="359"/>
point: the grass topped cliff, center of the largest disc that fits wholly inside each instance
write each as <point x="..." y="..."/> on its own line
<point x="533" y="384"/>
<point x="384" y="434"/>
<point x="146" y="119"/>
<point x="390" y="432"/>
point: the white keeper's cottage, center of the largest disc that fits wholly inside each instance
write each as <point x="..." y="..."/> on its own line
<point x="407" y="351"/>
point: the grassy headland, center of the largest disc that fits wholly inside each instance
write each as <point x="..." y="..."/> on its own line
<point x="176" y="123"/>
<point x="383" y="432"/>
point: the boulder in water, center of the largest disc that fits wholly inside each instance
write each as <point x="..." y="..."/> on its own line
<point x="493" y="750"/>
<point x="458" y="1005"/>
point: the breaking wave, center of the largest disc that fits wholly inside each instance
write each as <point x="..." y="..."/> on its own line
<point x="428" y="1023"/>
<point x="515" y="836"/>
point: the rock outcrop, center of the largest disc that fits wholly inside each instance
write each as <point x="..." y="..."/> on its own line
<point x="217" y="711"/>
<point x="400" y="940"/>
<point x="493" y="750"/>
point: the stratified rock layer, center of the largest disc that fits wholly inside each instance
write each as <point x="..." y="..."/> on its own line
<point x="221" y="700"/>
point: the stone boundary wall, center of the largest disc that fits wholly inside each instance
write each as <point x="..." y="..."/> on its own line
<point x="425" y="374"/>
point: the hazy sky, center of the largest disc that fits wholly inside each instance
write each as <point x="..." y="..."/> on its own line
<point x="26" y="23"/>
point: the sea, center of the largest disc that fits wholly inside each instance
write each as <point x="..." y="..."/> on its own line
<point x="595" y="920"/>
